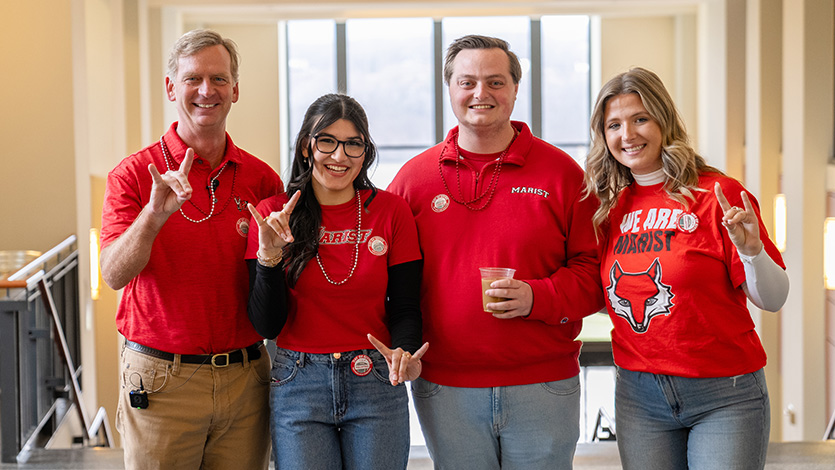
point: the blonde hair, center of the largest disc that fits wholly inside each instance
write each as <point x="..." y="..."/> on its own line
<point x="196" y="40"/>
<point x="606" y="177"/>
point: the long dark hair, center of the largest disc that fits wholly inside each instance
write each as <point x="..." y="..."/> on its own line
<point x="307" y="216"/>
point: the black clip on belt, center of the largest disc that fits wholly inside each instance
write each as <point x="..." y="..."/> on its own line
<point x="217" y="360"/>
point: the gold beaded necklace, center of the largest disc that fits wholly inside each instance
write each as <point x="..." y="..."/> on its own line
<point x="356" y="248"/>
<point x="212" y="186"/>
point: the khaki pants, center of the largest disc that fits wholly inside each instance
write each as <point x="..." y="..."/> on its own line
<point x="199" y="416"/>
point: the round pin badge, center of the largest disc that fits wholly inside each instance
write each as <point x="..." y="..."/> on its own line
<point x="688" y="222"/>
<point x="361" y="365"/>
<point x="378" y="246"/>
<point x="242" y="226"/>
<point x="440" y="203"/>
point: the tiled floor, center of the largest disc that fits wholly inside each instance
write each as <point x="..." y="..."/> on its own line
<point x="98" y="458"/>
<point x="816" y="455"/>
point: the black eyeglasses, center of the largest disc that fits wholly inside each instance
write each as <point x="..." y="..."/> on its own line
<point x="354" y="148"/>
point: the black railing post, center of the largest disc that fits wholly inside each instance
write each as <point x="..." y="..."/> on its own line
<point x="10" y="438"/>
<point x="30" y="367"/>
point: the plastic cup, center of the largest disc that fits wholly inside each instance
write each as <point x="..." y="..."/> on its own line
<point x="488" y="275"/>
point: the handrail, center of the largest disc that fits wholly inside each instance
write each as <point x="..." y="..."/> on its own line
<point x="21" y="273"/>
<point x="33" y="374"/>
<point x="4" y="284"/>
<point x="26" y="283"/>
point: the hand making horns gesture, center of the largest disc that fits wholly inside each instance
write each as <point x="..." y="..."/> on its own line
<point x="742" y="224"/>
<point x="403" y="366"/>
<point x="171" y="189"/>
<point x="274" y="229"/>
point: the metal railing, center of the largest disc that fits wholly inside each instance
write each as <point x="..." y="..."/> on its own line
<point x="40" y="331"/>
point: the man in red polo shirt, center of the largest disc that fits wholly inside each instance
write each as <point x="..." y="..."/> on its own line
<point x="195" y="374"/>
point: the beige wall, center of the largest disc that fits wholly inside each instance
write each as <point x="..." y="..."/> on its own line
<point x="665" y="44"/>
<point x="107" y="339"/>
<point x="100" y="110"/>
<point x="64" y="116"/>
<point x="254" y="120"/>
<point x="647" y="42"/>
<point x="37" y="174"/>
<point x="807" y="147"/>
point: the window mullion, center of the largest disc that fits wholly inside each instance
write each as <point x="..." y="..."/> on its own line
<point x="536" y="77"/>
<point x="438" y="47"/>
<point x="341" y="59"/>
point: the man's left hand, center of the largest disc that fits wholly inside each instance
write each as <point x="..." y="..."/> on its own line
<point x="519" y="297"/>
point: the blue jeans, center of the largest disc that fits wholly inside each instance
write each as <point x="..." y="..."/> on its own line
<point x="324" y="416"/>
<point x="667" y="422"/>
<point x="527" y="427"/>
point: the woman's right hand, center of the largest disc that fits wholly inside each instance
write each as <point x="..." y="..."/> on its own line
<point x="274" y="230"/>
<point x="403" y="366"/>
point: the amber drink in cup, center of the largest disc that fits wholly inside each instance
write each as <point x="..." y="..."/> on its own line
<point x="488" y="275"/>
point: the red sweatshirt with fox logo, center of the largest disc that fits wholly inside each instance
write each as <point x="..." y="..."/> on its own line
<point x="536" y="222"/>
<point x="673" y="280"/>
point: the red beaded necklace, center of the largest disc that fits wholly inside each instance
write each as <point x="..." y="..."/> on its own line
<point x="494" y="180"/>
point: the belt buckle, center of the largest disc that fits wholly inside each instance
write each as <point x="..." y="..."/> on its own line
<point x="214" y="359"/>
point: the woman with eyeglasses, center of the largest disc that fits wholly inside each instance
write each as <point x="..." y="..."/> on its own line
<point x="335" y="273"/>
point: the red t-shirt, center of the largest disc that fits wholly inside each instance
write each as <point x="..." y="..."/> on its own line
<point x="191" y="296"/>
<point x="324" y="317"/>
<point x="672" y="279"/>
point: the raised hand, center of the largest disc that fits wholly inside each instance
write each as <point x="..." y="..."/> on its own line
<point x="172" y="189"/>
<point x="274" y="230"/>
<point x="742" y="224"/>
<point x="403" y="366"/>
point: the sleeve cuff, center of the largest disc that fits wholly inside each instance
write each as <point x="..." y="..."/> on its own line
<point x="750" y="259"/>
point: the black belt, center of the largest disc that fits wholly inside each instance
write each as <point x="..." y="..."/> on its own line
<point x="218" y="360"/>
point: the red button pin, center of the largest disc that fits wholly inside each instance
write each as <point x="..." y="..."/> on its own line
<point x="361" y="365"/>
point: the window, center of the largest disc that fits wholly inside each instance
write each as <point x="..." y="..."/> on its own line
<point x="565" y="83"/>
<point x="311" y="66"/>
<point x="390" y="72"/>
<point x="392" y="66"/>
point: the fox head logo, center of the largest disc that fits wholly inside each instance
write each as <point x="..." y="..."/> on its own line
<point x="638" y="297"/>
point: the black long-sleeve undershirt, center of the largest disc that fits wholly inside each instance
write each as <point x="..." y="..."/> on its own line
<point x="268" y="302"/>
<point x="267" y="307"/>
